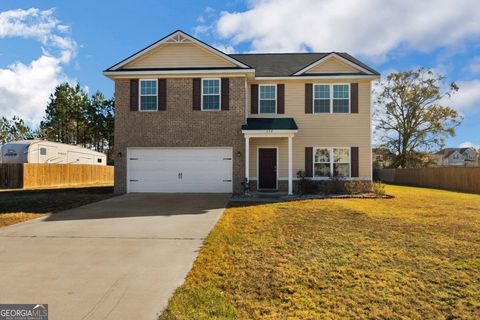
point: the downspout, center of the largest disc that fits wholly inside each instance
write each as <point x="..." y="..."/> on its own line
<point x="246" y="87"/>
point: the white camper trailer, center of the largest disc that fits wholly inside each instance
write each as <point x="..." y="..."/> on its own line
<point x="41" y="151"/>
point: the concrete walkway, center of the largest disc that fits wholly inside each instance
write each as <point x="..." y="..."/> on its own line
<point x="121" y="258"/>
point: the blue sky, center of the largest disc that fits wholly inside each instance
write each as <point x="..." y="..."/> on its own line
<point x="45" y="42"/>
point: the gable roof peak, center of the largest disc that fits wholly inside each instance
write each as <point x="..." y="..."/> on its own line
<point x="343" y="57"/>
<point x="174" y="38"/>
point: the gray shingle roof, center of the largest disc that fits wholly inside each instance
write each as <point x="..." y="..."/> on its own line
<point x="446" y="152"/>
<point x="265" y="64"/>
<point x="286" y="64"/>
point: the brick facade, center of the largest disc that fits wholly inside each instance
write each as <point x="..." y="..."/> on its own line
<point x="179" y="126"/>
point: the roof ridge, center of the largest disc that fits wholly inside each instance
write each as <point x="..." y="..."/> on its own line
<point x="280" y="53"/>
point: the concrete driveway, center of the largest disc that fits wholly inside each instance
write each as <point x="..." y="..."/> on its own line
<point x="120" y="258"/>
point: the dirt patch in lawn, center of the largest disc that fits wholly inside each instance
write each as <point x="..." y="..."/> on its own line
<point x="415" y="256"/>
<point x="22" y="205"/>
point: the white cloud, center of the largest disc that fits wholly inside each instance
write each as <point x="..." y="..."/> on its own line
<point x="468" y="144"/>
<point x="25" y="87"/>
<point x="30" y="23"/>
<point x="224" y="48"/>
<point x="371" y="28"/>
<point x="468" y="96"/>
<point x="474" y="66"/>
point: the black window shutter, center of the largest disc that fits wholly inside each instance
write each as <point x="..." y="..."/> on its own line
<point x="254" y="98"/>
<point x="225" y="93"/>
<point x="308" y="162"/>
<point x="354" y="162"/>
<point x="196" y="96"/>
<point x="354" y="97"/>
<point x="280" y="98"/>
<point x="308" y="97"/>
<point x="162" y="94"/>
<point x="133" y="94"/>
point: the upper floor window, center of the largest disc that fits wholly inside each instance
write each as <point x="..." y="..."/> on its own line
<point x="341" y="98"/>
<point x="321" y="98"/>
<point x="334" y="98"/>
<point x="148" y="95"/>
<point x="331" y="162"/>
<point x="210" y="94"/>
<point x="267" y="98"/>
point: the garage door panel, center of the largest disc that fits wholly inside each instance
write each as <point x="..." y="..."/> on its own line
<point x="200" y="169"/>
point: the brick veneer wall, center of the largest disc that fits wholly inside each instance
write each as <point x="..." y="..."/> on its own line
<point x="179" y="126"/>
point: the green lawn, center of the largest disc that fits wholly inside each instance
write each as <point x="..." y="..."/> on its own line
<point x="22" y="205"/>
<point x="416" y="256"/>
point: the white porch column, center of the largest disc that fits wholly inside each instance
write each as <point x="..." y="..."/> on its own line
<point x="247" y="157"/>
<point x="290" y="187"/>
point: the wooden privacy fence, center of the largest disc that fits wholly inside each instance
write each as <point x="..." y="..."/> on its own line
<point x="38" y="175"/>
<point x="11" y="176"/>
<point x="448" y="178"/>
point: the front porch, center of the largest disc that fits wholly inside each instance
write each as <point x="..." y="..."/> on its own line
<point x="268" y="153"/>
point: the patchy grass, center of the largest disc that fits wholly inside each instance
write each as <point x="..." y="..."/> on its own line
<point x="416" y="256"/>
<point x="22" y="205"/>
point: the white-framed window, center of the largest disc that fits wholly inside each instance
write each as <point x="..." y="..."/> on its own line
<point x="341" y="162"/>
<point x="211" y="94"/>
<point x="148" y="95"/>
<point x="331" y="98"/>
<point x="341" y="98"/>
<point x="321" y="162"/>
<point x="321" y="98"/>
<point x="331" y="162"/>
<point x="267" y="98"/>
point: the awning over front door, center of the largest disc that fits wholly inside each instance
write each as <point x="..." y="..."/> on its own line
<point x="269" y="125"/>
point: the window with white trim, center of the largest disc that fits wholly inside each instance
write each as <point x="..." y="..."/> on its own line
<point x="331" y="162"/>
<point x="341" y="162"/>
<point x="321" y="98"/>
<point x="321" y="162"/>
<point x="341" y="98"/>
<point x="331" y="98"/>
<point x="148" y="95"/>
<point x="267" y="98"/>
<point x="210" y="94"/>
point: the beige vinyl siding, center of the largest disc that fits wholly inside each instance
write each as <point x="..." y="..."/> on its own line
<point x="170" y="55"/>
<point x="332" y="65"/>
<point x="319" y="130"/>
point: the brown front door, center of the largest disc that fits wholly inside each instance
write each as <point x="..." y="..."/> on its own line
<point x="267" y="168"/>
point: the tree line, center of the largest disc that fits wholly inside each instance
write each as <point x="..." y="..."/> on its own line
<point x="71" y="117"/>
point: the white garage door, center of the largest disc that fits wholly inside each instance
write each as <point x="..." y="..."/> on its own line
<point x="205" y="170"/>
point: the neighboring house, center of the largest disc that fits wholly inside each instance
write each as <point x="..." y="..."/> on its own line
<point x="463" y="157"/>
<point x="190" y="118"/>
<point x="382" y="157"/>
<point x="41" y="151"/>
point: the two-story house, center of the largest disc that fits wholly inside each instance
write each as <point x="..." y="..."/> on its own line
<point x="190" y="118"/>
<point x="457" y="157"/>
